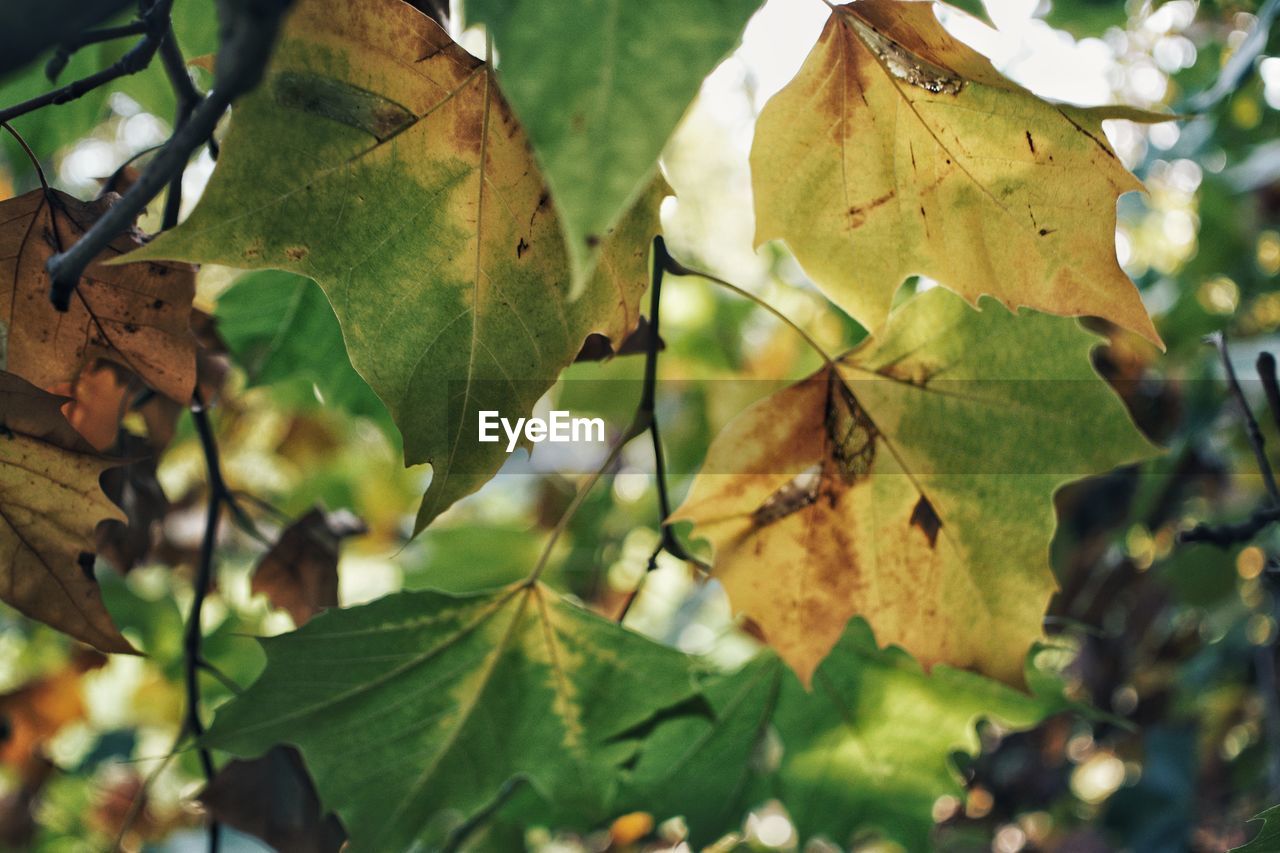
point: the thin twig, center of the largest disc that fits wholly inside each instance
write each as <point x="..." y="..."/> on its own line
<point x="247" y="43"/>
<point x="646" y="416"/>
<point x="137" y="58"/>
<point x="188" y="98"/>
<point x="1267" y="373"/>
<point x="193" y="636"/>
<point x="31" y="155"/>
<point x="1226" y="535"/>
<point x="1219" y="340"/>
<point x="62" y="53"/>
<point x="467" y="828"/>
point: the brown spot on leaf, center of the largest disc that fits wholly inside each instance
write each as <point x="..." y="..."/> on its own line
<point x="1031" y="143"/>
<point x="924" y="517"/>
<point x="521" y="248"/>
<point x="296" y="253"/>
<point x="858" y="214"/>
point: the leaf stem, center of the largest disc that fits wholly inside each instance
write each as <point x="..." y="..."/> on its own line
<point x="677" y="268"/>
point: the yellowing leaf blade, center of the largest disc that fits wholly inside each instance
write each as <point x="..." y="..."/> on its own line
<point x="897" y="151"/>
<point x="912" y="486"/>
<point x="379" y="159"/>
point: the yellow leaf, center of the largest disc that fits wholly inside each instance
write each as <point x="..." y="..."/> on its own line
<point x="910" y="483"/>
<point x="898" y="151"/>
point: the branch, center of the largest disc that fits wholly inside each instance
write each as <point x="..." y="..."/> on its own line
<point x="249" y="32"/>
<point x="1251" y="424"/>
<point x="29" y="29"/>
<point x="1268" y="512"/>
<point x="155" y="21"/>
<point x="62" y="55"/>
<point x="188" y="99"/>
<point x="192" y="636"/>
<point x="646" y="418"/>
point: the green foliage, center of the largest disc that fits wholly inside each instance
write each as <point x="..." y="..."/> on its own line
<point x="600" y="91"/>
<point x="412" y="712"/>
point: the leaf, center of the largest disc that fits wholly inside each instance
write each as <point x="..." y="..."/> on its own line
<point x="281" y="328"/>
<point x="388" y="168"/>
<point x="912" y="486"/>
<point x="135" y="315"/>
<point x="98" y="399"/>
<point x="1268" y="838"/>
<point x="272" y="798"/>
<point x="871" y="745"/>
<point x="868" y="748"/>
<point x="600" y="91"/>
<point x="897" y="151"/>
<point x="50" y="502"/>
<point x="413" y="712"/>
<point x="708" y="768"/>
<point x="300" y="572"/>
<point x="134" y="488"/>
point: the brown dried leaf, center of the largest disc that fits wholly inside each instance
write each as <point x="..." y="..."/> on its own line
<point x="273" y="798"/>
<point x="136" y="315"/>
<point x="50" y="502"/>
<point x="300" y="572"/>
<point x="134" y="488"/>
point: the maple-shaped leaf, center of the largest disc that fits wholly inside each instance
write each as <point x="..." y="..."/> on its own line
<point x="299" y="573"/>
<point x="601" y="89"/>
<point x="380" y="159"/>
<point x="272" y="797"/>
<point x="911" y="484"/>
<point x="414" y="711"/>
<point x="868" y="748"/>
<point x="136" y="315"/>
<point x="50" y="502"/>
<point x="898" y="150"/>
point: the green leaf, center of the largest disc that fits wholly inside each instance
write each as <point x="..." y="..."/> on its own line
<point x="868" y="749"/>
<point x="871" y="746"/>
<point x="1085" y="18"/>
<point x="1268" y="838"/>
<point x="911" y="483"/>
<point x="281" y="329"/>
<point x="600" y="90"/>
<point x="413" y="712"/>
<point x="379" y="159"/>
<point x="708" y="768"/>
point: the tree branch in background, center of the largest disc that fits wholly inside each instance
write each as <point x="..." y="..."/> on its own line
<point x="1268" y="512"/>
<point x="29" y="29"/>
<point x="248" y="35"/>
<point x="155" y="22"/>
